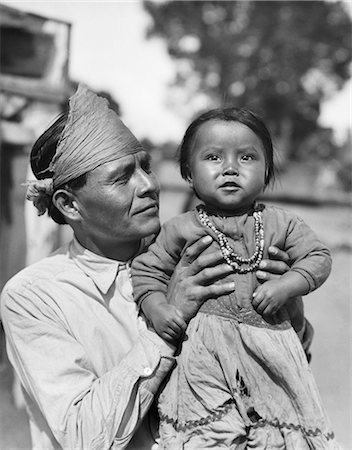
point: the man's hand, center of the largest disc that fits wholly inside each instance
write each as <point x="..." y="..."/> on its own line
<point x="273" y="268"/>
<point x="197" y="278"/>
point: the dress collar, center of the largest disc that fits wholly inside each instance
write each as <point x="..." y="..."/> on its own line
<point x="212" y="211"/>
<point x="103" y="271"/>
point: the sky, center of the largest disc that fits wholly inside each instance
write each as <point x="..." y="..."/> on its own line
<point x="109" y="51"/>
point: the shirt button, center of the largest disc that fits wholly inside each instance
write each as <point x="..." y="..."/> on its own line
<point x="147" y="371"/>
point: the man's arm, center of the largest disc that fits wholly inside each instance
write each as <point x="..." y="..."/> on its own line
<point x="83" y="408"/>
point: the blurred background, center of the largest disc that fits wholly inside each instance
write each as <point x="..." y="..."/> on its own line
<point x="160" y="63"/>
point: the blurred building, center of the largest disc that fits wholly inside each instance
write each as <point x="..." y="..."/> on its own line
<point x="34" y="84"/>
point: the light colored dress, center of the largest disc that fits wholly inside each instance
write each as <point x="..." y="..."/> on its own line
<point x="240" y="382"/>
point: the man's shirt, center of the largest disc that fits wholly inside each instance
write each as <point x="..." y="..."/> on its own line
<point x="88" y="364"/>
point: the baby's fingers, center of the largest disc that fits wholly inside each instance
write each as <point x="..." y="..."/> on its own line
<point x="270" y="310"/>
<point x="260" y="305"/>
<point x="170" y="336"/>
<point x="179" y="325"/>
<point x="258" y="297"/>
<point x="173" y="331"/>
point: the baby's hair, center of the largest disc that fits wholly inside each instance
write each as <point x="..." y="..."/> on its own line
<point x="241" y="115"/>
<point x="43" y="152"/>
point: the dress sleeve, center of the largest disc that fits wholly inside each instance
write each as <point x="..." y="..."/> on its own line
<point x="152" y="270"/>
<point x="82" y="410"/>
<point x="309" y="256"/>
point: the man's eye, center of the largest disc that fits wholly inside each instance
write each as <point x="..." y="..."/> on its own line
<point x="122" y="180"/>
<point x="124" y="177"/>
<point x="147" y="167"/>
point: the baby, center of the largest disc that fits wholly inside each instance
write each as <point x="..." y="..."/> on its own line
<point x="241" y="373"/>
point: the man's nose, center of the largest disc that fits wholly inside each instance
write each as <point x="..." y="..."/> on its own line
<point x="148" y="183"/>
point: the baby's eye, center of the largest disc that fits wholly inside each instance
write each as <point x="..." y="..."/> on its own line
<point x="212" y="157"/>
<point x="248" y="157"/>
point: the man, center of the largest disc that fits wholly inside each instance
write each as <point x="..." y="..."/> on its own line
<point x="88" y="364"/>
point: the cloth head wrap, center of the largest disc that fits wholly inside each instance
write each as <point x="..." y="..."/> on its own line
<point x="93" y="135"/>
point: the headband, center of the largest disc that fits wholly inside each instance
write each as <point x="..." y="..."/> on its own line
<point x="93" y="135"/>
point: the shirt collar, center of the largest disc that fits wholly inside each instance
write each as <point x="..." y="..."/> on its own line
<point x="103" y="271"/>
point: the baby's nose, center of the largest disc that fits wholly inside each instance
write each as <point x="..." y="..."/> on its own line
<point x="230" y="169"/>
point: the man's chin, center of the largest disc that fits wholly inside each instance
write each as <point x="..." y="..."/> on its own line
<point x="151" y="226"/>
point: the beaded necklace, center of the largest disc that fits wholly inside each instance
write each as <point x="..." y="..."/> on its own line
<point x="228" y="253"/>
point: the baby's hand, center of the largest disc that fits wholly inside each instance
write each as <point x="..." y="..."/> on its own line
<point x="168" y="322"/>
<point x="269" y="298"/>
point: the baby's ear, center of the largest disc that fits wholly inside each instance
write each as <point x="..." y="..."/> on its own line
<point x="189" y="177"/>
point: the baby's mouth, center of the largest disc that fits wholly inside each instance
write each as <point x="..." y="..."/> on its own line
<point x="230" y="185"/>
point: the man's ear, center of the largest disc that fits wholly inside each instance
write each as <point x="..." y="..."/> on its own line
<point x="66" y="203"/>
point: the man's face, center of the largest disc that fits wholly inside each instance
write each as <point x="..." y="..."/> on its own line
<point x="119" y="204"/>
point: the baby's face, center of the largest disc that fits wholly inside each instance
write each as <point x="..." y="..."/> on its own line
<point x="227" y="165"/>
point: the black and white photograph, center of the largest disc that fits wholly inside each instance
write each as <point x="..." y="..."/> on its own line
<point x="176" y="225"/>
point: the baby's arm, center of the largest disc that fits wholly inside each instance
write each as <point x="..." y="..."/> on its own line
<point x="151" y="273"/>
<point x="273" y="294"/>
<point x="310" y="267"/>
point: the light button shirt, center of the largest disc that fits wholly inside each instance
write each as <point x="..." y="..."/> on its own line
<point x="89" y="366"/>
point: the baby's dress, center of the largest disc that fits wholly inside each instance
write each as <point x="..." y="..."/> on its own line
<point x="241" y="382"/>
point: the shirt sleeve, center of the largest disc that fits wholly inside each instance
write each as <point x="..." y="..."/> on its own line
<point x="82" y="409"/>
<point x="152" y="270"/>
<point x="309" y="256"/>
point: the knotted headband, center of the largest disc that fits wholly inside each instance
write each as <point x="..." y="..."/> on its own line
<point x="93" y="135"/>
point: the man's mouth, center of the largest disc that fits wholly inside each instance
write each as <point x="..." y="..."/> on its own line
<point x="153" y="206"/>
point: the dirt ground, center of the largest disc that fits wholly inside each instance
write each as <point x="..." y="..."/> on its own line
<point x="328" y="309"/>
